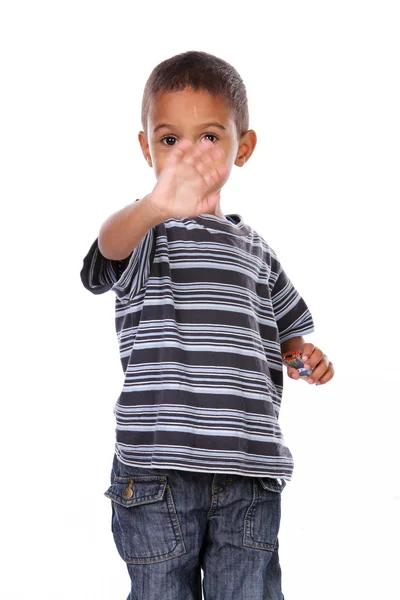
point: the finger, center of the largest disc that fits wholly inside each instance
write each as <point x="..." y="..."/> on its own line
<point x="207" y="166"/>
<point x="213" y="176"/>
<point x="177" y="153"/>
<point x="205" y="151"/>
<point x="293" y="373"/>
<point x="190" y="157"/>
<point x="327" y="376"/>
<point x="217" y="153"/>
<point x="213" y="157"/>
<point x="204" y="162"/>
<point x="313" y="359"/>
<point x="307" y="350"/>
<point x="319" y="371"/>
<point x="182" y="148"/>
<point x="206" y="147"/>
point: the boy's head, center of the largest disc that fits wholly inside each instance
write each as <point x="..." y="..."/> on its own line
<point x="188" y="96"/>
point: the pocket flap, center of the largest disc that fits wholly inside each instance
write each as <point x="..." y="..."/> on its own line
<point x="272" y="484"/>
<point x="132" y="490"/>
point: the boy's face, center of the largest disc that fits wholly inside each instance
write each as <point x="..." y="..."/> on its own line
<point x="195" y="116"/>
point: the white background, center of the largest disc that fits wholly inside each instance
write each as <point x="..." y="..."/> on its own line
<point x="322" y="187"/>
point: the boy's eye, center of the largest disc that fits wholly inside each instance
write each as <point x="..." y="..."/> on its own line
<point x="211" y="135"/>
<point x="168" y="137"/>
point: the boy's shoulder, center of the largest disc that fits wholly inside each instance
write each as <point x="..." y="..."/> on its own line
<point x="259" y="239"/>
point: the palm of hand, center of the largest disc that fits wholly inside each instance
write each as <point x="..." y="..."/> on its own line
<point x="188" y="184"/>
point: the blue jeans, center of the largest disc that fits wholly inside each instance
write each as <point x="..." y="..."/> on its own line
<point x="169" y="524"/>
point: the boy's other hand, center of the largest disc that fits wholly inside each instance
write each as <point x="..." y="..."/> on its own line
<point x="314" y="358"/>
<point x="190" y="181"/>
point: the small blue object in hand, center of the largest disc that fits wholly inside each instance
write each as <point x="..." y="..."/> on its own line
<point x="293" y="359"/>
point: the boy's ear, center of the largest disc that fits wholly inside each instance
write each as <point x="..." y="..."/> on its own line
<point x="247" y="143"/>
<point x="145" y="147"/>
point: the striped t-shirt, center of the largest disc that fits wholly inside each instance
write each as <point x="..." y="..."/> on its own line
<point x="202" y="306"/>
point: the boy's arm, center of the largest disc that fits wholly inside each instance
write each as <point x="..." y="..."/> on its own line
<point x="295" y="343"/>
<point x="292" y="315"/>
<point x="125" y="229"/>
<point x="121" y="256"/>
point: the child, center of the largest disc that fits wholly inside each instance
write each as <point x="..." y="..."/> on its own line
<point x="204" y="311"/>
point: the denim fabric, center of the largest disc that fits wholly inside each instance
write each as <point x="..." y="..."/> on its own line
<point x="169" y="524"/>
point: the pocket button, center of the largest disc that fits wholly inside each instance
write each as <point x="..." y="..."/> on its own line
<point x="128" y="492"/>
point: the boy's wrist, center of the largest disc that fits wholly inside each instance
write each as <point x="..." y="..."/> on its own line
<point x="153" y="214"/>
<point x="294" y="343"/>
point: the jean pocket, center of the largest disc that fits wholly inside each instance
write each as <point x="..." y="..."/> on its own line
<point x="263" y="516"/>
<point x="145" y="523"/>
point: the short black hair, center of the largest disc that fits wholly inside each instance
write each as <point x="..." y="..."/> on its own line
<point x="199" y="71"/>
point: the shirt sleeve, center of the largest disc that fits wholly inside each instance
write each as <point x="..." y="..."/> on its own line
<point x="292" y="314"/>
<point x="125" y="277"/>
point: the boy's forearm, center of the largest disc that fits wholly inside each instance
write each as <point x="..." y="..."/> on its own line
<point x="126" y="228"/>
<point x="295" y="343"/>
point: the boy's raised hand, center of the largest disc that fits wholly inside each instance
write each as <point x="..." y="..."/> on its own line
<point x="190" y="181"/>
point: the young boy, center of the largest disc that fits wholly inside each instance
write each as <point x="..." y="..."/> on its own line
<point x="204" y="311"/>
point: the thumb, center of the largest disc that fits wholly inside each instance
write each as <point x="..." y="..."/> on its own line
<point x="293" y="373"/>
